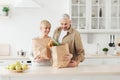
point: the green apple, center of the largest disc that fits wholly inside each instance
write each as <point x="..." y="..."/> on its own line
<point x="18" y="63"/>
<point x="24" y="66"/>
<point x="18" y="67"/>
<point x="12" y="67"/>
<point x="8" y="67"/>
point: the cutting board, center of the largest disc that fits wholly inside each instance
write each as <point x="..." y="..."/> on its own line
<point x="4" y="50"/>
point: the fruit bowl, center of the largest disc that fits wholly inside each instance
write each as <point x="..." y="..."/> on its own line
<point x="17" y="67"/>
<point x="18" y="71"/>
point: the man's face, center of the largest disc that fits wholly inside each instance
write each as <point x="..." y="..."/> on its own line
<point x="65" y="24"/>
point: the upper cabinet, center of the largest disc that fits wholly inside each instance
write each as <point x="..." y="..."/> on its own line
<point x="4" y="10"/>
<point x="115" y="14"/>
<point x="96" y="16"/>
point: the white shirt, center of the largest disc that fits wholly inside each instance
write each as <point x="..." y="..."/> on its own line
<point x="62" y="34"/>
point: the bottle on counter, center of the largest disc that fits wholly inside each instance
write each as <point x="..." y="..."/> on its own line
<point x="98" y="46"/>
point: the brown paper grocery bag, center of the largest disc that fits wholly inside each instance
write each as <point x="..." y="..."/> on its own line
<point x="58" y="54"/>
<point x="40" y="47"/>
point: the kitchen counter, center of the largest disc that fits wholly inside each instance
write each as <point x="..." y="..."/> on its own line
<point x="83" y="72"/>
<point x="97" y="70"/>
<point x="86" y="56"/>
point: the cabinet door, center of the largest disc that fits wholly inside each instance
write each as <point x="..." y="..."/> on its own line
<point x="101" y="61"/>
<point x="96" y="15"/>
<point x="92" y="62"/>
<point x="5" y="62"/>
<point x="78" y="14"/>
<point x="115" y="14"/>
<point x="8" y="62"/>
<point x="112" y="61"/>
<point x="86" y="13"/>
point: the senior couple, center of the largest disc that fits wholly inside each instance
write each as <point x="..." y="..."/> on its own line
<point x="65" y="33"/>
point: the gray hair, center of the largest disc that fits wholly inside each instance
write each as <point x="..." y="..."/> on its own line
<point x="65" y="16"/>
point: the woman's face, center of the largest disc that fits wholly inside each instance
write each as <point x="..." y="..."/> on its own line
<point x="45" y="30"/>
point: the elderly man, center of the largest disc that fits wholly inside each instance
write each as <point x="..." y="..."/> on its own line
<point x="65" y="33"/>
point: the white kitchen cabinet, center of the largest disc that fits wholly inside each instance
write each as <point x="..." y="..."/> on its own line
<point x="112" y="61"/>
<point x="95" y="15"/>
<point x="101" y="61"/>
<point x="92" y="62"/>
<point x="9" y="60"/>
<point x="115" y="14"/>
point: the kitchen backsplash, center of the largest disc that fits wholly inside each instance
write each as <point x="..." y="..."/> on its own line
<point x="103" y="40"/>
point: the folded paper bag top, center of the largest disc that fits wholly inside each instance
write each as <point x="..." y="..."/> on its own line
<point x="58" y="54"/>
<point x="40" y="47"/>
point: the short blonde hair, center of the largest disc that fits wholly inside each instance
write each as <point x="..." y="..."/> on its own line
<point x="45" y="23"/>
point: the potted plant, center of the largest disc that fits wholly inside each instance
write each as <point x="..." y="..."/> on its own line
<point x="6" y="10"/>
<point x="105" y="50"/>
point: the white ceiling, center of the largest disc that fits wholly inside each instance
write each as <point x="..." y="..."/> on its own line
<point x="24" y="3"/>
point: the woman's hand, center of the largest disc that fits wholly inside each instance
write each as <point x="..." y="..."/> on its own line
<point x="73" y="63"/>
<point x="40" y="59"/>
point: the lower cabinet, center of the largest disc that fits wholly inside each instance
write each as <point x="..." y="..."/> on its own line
<point x="101" y="61"/>
<point x="7" y="62"/>
<point x="92" y="62"/>
<point x="112" y="61"/>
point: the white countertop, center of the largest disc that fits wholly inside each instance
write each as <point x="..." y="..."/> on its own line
<point x="80" y="70"/>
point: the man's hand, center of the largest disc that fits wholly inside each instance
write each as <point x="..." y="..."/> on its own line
<point x="68" y="57"/>
<point x="73" y="64"/>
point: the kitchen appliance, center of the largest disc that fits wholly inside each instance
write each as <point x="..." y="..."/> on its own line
<point x="21" y="53"/>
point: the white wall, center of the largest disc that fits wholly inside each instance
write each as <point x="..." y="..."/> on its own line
<point x="23" y="25"/>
